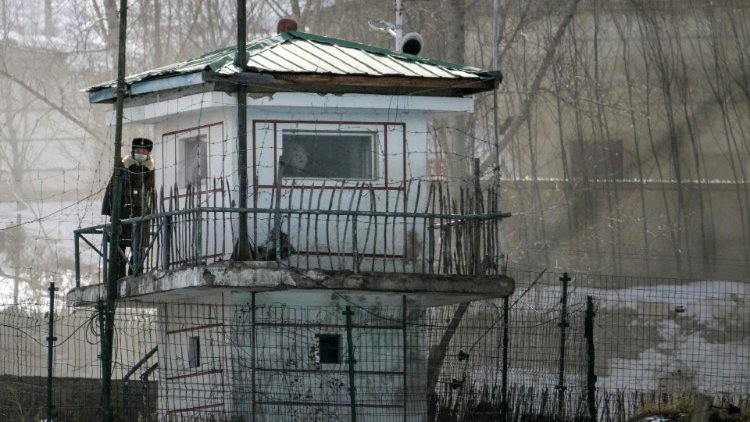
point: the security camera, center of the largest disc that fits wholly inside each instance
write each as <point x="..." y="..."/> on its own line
<point x="412" y="43"/>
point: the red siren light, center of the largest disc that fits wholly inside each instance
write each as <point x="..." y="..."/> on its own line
<point x="286" y="24"/>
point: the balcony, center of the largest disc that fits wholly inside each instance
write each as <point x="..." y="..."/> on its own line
<point x="441" y="241"/>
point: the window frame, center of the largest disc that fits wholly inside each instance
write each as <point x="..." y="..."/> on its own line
<point x="199" y="139"/>
<point x="194" y="352"/>
<point x="329" y="348"/>
<point x="373" y="152"/>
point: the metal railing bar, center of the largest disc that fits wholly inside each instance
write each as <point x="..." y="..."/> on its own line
<point x="91" y="244"/>
<point x="398" y="214"/>
<point x="445" y="242"/>
<point x="328" y="404"/>
<point x="140" y="363"/>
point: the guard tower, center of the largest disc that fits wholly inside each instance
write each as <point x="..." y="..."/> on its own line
<point x="342" y="213"/>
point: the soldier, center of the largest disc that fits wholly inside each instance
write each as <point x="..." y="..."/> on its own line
<point x="138" y="195"/>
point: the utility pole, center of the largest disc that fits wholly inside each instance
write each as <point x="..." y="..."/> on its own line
<point x="113" y="272"/>
<point x="242" y="251"/>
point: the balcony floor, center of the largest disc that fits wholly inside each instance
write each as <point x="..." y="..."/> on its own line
<point x="190" y="283"/>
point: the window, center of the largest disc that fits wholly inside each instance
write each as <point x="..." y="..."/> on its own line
<point x="329" y="346"/>
<point x="329" y="155"/>
<point x="194" y="163"/>
<point x="194" y="352"/>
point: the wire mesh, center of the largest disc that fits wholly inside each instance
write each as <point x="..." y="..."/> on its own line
<point x="260" y="358"/>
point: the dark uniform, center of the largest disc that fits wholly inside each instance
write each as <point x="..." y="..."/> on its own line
<point x="138" y="195"/>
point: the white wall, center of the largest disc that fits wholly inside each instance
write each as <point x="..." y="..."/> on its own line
<point x="400" y="127"/>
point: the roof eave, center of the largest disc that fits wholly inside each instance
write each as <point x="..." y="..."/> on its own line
<point x="353" y="84"/>
<point x="302" y="82"/>
<point x="109" y="94"/>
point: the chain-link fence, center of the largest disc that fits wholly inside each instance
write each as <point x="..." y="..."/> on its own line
<point x="644" y="340"/>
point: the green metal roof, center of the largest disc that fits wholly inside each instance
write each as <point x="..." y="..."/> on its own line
<point x="297" y="52"/>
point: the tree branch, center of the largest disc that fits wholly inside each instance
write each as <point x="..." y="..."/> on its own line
<point x="520" y="119"/>
<point x="15" y="277"/>
<point x="40" y="96"/>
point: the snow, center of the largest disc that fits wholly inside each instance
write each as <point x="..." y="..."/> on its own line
<point x="701" y="341"/>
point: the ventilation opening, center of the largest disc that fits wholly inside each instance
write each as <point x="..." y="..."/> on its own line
<point x="194" y="352"/>
<point x="329" y="346"/>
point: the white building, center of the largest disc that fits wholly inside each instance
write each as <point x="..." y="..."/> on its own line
<point x="337" y="160"/>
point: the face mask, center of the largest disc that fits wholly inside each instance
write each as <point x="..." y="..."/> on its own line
<point x="140" y="157"/>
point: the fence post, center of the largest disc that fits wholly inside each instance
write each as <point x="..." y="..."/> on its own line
<point x="166" y="241"/>
<point x="445" y="248"/>
<point x="354" y="244"/>
<point x="50" y="348"/>
<point x="590" y="375"/>
<point x="135" y="249"/>
<point x="404" y="327"/>
<point x="253" y="357"/>
<point x="431" y="242"/>
<point x="504" y="382"/>
<point x="106" y="330"/>
<point x="563" y="325"/>
<point x="475" y="225"/>
<point x="77" y="252"/>
<point x="125" y="394"/>
<point x="350" y="350"/>
<point x="277" y="212"/>
<point x="105" y="256"/>
<point x="144" y="378"/>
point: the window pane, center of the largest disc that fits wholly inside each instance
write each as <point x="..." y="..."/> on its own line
<point x="195" y="159"/>
<point x="328" y="155"/>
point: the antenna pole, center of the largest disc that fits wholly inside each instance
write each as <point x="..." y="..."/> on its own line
<point x="495" y="64"/>
<point x="399" y="24"/>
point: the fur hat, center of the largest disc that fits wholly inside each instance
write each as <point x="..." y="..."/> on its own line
<point x="143" y="143"/>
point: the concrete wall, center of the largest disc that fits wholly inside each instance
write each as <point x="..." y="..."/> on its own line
<point x="200" y="391"/>
<point x="273" y="368"/>
<point x="292" y="383"/>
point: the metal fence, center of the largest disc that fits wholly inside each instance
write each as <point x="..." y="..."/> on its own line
<point x="419" y="227"/>
<point x="644" y="340"/>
